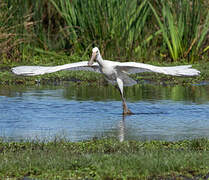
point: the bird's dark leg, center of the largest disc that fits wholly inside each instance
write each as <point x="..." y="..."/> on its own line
<point x="126" y="111"/>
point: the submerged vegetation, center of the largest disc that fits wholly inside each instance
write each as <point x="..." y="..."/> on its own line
<point x="105" y="159"/>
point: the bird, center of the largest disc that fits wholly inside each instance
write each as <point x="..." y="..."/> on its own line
<point x="116" y="73"/>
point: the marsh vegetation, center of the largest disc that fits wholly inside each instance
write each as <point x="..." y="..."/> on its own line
<point x="124" y="30"/>
<point x="105" y="159"/>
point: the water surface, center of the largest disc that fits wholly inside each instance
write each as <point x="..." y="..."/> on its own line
<point x="80" y="112"/>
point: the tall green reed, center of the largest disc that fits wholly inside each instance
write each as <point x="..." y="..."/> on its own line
<point x="16" y="29"/>
<point x="116" y="26"/>
<point x="9" y="31"/>
<point x="122" y="29"/>
<point x="180" y="23"/>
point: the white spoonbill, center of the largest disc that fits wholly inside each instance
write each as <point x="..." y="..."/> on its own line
<point x="114" y="72"/>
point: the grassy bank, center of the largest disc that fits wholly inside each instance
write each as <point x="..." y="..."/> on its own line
<point x="105" y="159"/>
<point x="7" y="78"/>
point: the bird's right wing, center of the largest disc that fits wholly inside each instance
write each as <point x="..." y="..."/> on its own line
<point x="39" y="70"/>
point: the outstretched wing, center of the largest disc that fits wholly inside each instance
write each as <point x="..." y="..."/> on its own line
<point x="133" y="67"/>
<point x="39" y="70"/>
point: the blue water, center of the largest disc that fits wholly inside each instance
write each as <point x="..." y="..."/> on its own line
<point x="79" y="112"/>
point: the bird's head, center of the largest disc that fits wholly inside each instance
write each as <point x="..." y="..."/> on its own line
<point x="95" y="53"/>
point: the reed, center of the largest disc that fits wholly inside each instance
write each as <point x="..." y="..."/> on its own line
<point x="182" y="30"/>
<point x="135" y="30"/>
<point x="107" y="24"/>
<point x="8" y="31"/>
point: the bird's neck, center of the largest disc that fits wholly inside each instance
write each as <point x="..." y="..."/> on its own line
<point x="99" y="60"/>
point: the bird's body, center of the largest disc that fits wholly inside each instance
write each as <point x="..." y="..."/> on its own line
<point x="114" y="72"/>
<point x="108" y="70"/>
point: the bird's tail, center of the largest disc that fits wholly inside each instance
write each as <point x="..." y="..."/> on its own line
<point x="179" y="71"/>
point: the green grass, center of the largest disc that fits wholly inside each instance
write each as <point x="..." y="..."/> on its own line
<point x="103" y="159"/>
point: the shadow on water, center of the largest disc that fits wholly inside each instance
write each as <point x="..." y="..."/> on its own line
<point x="85" y="111"/>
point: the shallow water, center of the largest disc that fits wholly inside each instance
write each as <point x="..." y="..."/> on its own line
<point x="80" y="112"/>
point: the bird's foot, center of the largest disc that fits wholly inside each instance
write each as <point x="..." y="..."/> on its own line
<point x="127" y="112"/>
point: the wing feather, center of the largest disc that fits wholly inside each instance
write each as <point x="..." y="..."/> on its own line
<point x="133" y="67"/>
<point x="39" y="70"/>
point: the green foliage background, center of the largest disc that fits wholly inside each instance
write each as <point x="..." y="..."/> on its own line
<point x="137" y="30"/>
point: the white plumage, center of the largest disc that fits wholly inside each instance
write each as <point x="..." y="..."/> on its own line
<point x="114" y="72"/>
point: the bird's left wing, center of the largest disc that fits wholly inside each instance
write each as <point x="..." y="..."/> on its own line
<point x="133" y="67"/>
<point x="39" y="70"/>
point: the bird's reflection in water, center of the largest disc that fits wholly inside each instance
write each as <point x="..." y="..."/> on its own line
<point x="122" y="129"/>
